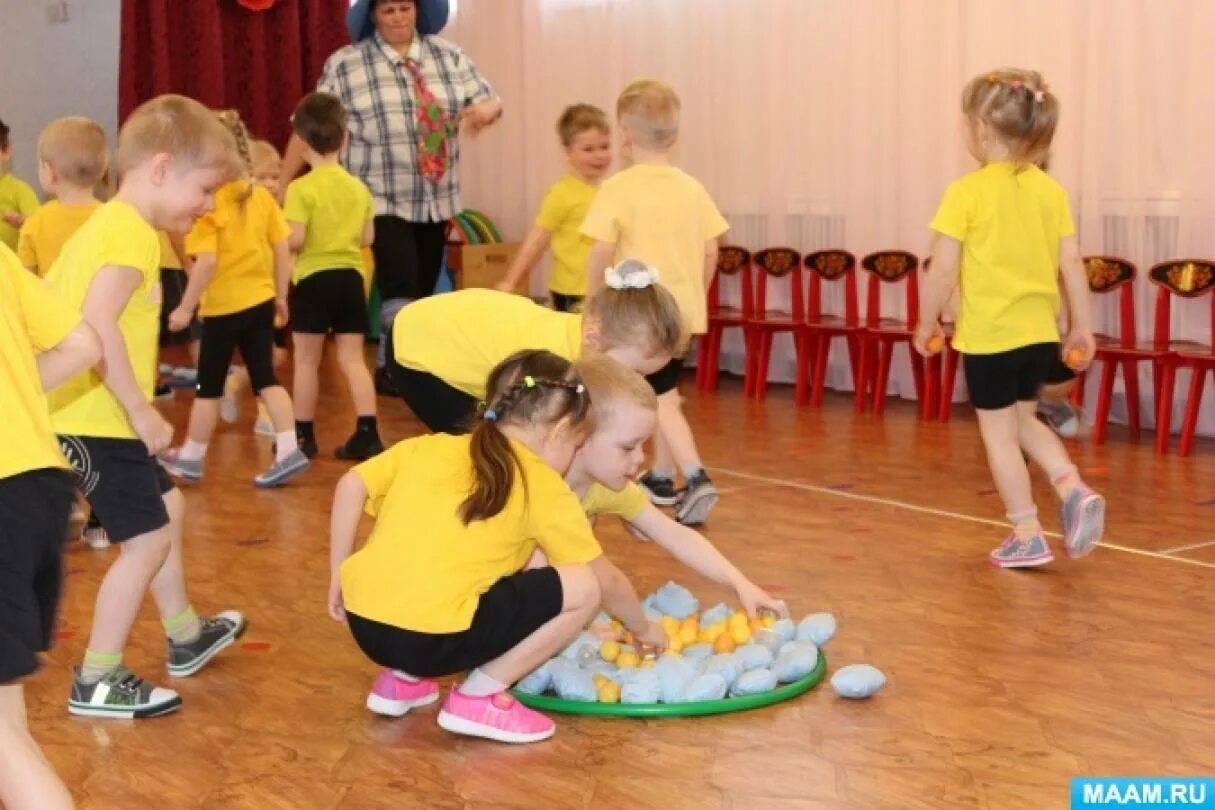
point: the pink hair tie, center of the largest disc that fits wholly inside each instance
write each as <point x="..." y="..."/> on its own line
<point x="1039" y="97"/>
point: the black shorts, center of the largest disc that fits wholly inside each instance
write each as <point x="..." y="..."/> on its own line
<point x="124" y="486"/>
<point x="511" y="610"/>
<point x="173" y="287"/>
<point x="35" y="508"/>
<point x="566" y="303"/>
<point x="330" y="301"/>
<point x="252" y="330"/>
<point x="441" y="407"/>
<point x="666" y="378"/>
<point x="408" y="257"/>
<point x="1000" y="380"/>
<point x="1059" y="372"/>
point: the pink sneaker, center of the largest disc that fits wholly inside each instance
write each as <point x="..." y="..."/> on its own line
<point x="393" y="697"/>
<point x="496" y="717"/>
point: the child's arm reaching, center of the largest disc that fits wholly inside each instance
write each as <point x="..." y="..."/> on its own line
<point x="710" y="262"/>
<point x="939" y="284"/>
<point x="694" y="550"/>
<point x="200" y="275"/>
<point x="283" y="267"/>
<point x="620" y="600"/>
<point x="601" y="260"/>
<point x="348" y="500"/>
<point x="529" y="253"/>
<point x="1077" y="294"/>
<point x="299" y="232"/>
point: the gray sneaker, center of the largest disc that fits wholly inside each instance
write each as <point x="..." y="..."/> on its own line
<point x="187" y="470"/>
<point x="1060" y="417"/>
<point x="1083" y="521"/>
<point x="281" y="472"/>
<point x="1017" y="553"/>
<point x="699" y="497"/>
<point x="215" y="634"/>
<point x="121" y="694"/>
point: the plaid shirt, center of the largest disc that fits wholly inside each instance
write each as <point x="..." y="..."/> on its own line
<point x="382" y="150"/>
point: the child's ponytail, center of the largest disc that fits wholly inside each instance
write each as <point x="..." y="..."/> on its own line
<point x="528" y="388"/>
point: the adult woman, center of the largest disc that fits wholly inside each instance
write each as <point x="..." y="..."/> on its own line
<point x="407" y="93"/>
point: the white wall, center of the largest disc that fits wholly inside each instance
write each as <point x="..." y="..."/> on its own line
<point x="48" y="70"/>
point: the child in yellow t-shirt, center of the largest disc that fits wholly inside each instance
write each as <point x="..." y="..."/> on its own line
<point x="657" y="213"/>
<point x="1008" y="229"/>
<point x="171" y="155"/>
<point x="445" y="345"/>
<point x="330" y="213"/>
<point x="238" y="283"/>
<point x="586" y="139"/>
<point x="17" y="199"/>
<point x="443" y="584"/>
<point x="72" y="161"/>
<point x="42" y="343"/>
<point x="625" y="412"/>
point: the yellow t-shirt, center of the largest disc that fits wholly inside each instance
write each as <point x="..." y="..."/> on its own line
<point x="47" y="229"/>
<point x="116" y="235"/>
<point x="17" y="197"/>
<point x="628" y="503"/>
<point x="1009" y="223"/>
<point x="460" y="336"/>
<point x="561" y="214"/>
<point x="334" y="207"/>
<point x="242" y="239"/>
<point x="664" y="217"/>
<point x="33" y="319"/>
<point x="422" y="569"/>
<point x="169" y="260"/>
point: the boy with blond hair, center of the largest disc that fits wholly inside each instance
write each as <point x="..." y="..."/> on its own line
<point x="655" y="212"/>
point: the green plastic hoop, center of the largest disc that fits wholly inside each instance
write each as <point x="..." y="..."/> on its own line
<point x="484" y="224"/>
<point x="549" y="703"/>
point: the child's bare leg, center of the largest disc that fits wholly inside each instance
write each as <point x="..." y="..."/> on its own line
<point x="27" y="781"/>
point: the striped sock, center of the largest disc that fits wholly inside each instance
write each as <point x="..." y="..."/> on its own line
<point x="97" y="665"/>
<point x="183" y="628"/>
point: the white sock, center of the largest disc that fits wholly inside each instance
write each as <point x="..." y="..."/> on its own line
<point x="481" y="685"/>
<point x="404" y="676"/>
<point x="192" y="451"/>
<point x="285" y="444"/>
<point x="692" y="470"/>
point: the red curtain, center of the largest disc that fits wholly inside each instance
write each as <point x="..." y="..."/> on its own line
<point x="225" y="55"/>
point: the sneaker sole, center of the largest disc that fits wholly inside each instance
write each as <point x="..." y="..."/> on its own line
<point x="1024" y="562"/>
<point x="125" y="712"/>
<point x="458" y="725"/>
<point x="398" y="708"/>
<point x="283" y="477"/>
<point x="659" y="500"/>
<point x="340" y="455"/>
<point x="204" y="659"/>
<point x="1088" y="529"/>
<point x="177" y="472"/>
<point x="695" y="511"/>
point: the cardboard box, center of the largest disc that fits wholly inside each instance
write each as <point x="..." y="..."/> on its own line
<point x="481" y="265"/>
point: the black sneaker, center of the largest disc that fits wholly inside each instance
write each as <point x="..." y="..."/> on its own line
<point x="307" y="445"/>
<point x="698" y="499"/>
<point x="384" y="386"/>
<point x="662" y="491"/>
<point x="216" y="633"/>
<point x="360" y="447"/>
<point x="122" y="695"/>
<point x="162" y="392"/>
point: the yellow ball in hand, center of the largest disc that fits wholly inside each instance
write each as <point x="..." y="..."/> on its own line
<point x="609" y="651"/>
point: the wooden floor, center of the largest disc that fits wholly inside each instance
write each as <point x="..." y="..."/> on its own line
<point x="1002" y="685"/>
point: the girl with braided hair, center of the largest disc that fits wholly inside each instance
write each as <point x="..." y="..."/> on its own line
<point x="242" y="266"/>
<point x="443" y="584"/>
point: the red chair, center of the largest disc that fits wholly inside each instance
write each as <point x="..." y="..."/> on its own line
<point x="731" y="261"/>
<point x="881" y="334"/>
<point x="763" y="326"/>
<point x="816" y="334"/>
<point x="940" y="370"/>
<point x="1186" y="279"/>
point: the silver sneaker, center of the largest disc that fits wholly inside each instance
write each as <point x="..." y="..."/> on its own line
<point x="281" y="472"/>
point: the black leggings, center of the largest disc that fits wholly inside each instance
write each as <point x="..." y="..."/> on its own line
<point x="439" y="406"/>
<point x="252" y="331"/>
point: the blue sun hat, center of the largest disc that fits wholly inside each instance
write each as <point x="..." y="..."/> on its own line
<point x="432" y="18"/>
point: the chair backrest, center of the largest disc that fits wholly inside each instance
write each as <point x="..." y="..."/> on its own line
<point x="778" y="263"/>
<point x="831" y="266"/>
<point x="1186" y="278"/>
<point x="891" y="267"/>
<point x="732" y="260"/>
<point x="1107" y="274"/>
